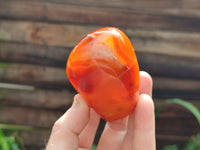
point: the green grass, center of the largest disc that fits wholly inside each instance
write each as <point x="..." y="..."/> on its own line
<point x="5" y="64"/>
<point x="194" y="110"/>
<point x="9" y="138"/>
<point x="8" y="142"/>
<point x="194" y="142"/>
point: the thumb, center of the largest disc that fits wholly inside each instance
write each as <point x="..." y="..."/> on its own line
<point x="68" y="127"/>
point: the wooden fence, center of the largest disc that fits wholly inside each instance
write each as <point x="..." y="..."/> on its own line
<point x="37" y="36"/>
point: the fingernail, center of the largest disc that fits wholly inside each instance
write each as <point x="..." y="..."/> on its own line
<point x="76" y="102"/>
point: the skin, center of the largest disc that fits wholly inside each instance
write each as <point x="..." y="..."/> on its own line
<point x="76" y="129"/>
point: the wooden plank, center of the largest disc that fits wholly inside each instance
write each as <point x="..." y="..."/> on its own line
<point x="182" y="120"/>
<point x="155" y="5"/>
<point x="56" y="78"/>
<point x="42" y="33"/>
<point x="169" y="65"/>
<point x="173" y="88"/>
<point x="34" y="74"/>
<point x="177" y="126"/>
<point x="165" y="42"/>
<point x="68" y="35"/>
<point x="161" y="42"/>
<point x="156" y="41"/>
<point x="38" y="98"/>
<point x="46" y="11"/>
<point x="38" y="76"/>
<point x="183" y="94"/>
<point x="43" y="118"/>
<point x="163" y="140"/>
<point x="34" y="139"/>
<point x="57" y="56"/>
<point x="175" y="110"/>
<point x="59" y="99"/>
<point x="175" y="84"/>
<point x="34" y="54"/>
<point x="46" y="98"/>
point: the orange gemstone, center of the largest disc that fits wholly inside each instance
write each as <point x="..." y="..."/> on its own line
<point x="103" y="68"/>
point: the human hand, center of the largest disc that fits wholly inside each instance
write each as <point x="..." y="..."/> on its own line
<point x="76" y="129"/>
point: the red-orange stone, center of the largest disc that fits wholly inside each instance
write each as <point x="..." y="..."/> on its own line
<point x="103" y="68"/>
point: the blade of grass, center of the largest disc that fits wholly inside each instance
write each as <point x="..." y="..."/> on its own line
<point x="4" y="64"/>
<point x="170" y="147"/>
<point x="15" y="127"/>
<point x="11" y="127"/>
<point x="13" y="144"/>
<point x="193" y="143"/>
<point x="3" y="143"/>
<point x="19" y="140"/>
<point x="194" y="110"/>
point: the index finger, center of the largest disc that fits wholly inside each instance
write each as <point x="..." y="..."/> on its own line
<point x="66" y="130"/>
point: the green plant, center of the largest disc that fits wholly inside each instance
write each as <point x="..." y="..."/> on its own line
<point x="171" y="147"/>
<point x="5" y="64"/>
<point x="194" y="142"/>
<point x="8" y="142"/>
<point x="9" y="138"/>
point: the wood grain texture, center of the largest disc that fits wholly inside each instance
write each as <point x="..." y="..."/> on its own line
<point x="42" y="33"/>
<point x="37" y="36"/>
<point x="44" y="76"/>
<point x="155" y="5"/>
<point x="79" y="14"/>
<point x="43" y="118"/>
<point x="176" y="88"/>
<point x="169" y="65"/>
<point x="164" y="140"/>
<point x="157" y="41"/>
<point x="62" y="99"/>
<point x="25" y="53"/>
<point x="173" y="82"/>
<point x="38" y="98"/>
<point x="176" y="84"/>
<point x="38" y="76"/>
<point x="37" y="140"/>
<point x="181" y="125"/>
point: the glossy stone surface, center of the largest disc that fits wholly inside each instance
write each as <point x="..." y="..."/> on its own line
<point x="103" y="68"/>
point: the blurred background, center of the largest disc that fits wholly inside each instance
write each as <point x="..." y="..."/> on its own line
<point x="36" y="37"/>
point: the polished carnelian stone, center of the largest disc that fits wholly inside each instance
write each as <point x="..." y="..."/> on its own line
<point x="103" y="68"/>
